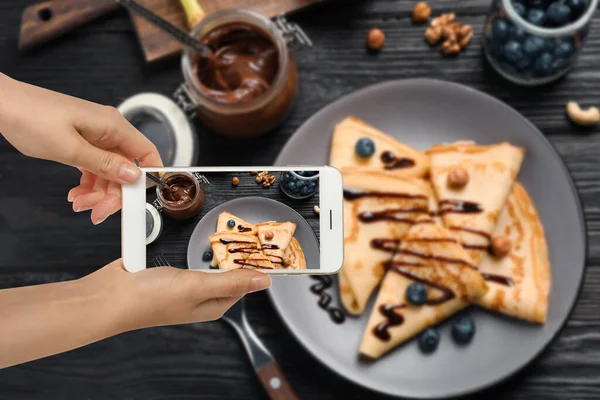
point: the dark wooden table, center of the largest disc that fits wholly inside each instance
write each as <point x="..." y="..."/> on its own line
<point x="42" y="240"/>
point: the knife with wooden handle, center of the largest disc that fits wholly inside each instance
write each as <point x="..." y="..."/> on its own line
<point x="45" y="21"/>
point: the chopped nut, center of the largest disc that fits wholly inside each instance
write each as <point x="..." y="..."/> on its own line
<point x="501" y="246"/>
<point x="266" y="184"/>
<point x="433" y="34"/>
<point x="421" y="12"/>
<point x="458" y="177"/>
<point x="259" y="179"/>
<point x="269" y="235"/>
<point x="253" y="172"/>
<point x="287" y="261"/>
<point x="580" y="116"/>
<point x="444" y="19"/>
<point x="317" y="210"/>
<point x="465" y="34"/>
<point x="450" y="47"/>
<point x="375" y="39"/>
<point x="235" y="181"/>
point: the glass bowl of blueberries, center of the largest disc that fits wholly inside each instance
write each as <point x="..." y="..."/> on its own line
<point x="299" y="184"/>
<point x="533" y="42"/>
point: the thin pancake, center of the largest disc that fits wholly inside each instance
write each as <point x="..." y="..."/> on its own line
<point x="235" y="250"/>
<point x="296" y="256"/>
<point x="525" y="294"/>
<point x="429" y="254"/>
<point x="378" y="210"/>
<point x="471" y="212"/>
<point x="404" y="161"/>
<point x="275" y="248"/>
<point x="241" y="226"/>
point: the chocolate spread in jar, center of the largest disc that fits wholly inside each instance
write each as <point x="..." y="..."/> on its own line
<point x="181" y="190"/>
<point x="243" y="66"/>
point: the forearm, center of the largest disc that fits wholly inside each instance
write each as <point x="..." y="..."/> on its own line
<point x="43" y="320"/>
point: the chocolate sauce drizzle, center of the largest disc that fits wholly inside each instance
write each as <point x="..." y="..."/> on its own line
<point x="249" y="248"/>
<point x="391" y="161"/>
<point x="325" y="282"/>
<point x="242" y="228"/>
<point x="390" y="215"/>
<point x="351" y="194"/>
<point x="503" y="280"/>
<point x="385" y="244"/>
<point x="457" y="206"/>
<point x="387" y="310"/>
<point x="448" y="260"/>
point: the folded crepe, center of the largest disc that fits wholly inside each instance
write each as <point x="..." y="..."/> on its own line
<point x="241" y="226"/>
<point x="390" y="156"/>
<point x="378" y="210"/>
<point x="236" y="250"/>
<point x="471" y="212"/>
<point x="275" y="248"/>
<point x="519" y="283"/>
<point x="295" y="255"/>
<point x="431" y="255"/>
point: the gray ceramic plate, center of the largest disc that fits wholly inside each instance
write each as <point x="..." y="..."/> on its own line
<point x="422" y="113"/>
<point x="253" y="210"/>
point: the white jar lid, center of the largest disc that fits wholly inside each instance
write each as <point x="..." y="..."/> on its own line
<point x="161" y="120"/>
<point x="154" y="223"/>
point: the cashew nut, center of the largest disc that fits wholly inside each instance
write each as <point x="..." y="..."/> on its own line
<point x="586" y="117"/>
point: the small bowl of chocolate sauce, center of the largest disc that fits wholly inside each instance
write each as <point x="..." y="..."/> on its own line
<point x="248" y="85"/>
<point x="183" y="196"/>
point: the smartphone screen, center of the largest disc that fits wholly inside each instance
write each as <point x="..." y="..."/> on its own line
<point x="223" y="220"/>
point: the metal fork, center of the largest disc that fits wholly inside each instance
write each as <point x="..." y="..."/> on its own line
<point x="266" y="368"/>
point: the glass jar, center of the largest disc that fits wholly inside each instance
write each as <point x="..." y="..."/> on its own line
<point x="174" y="209"/>
<point x="299" y="184"/>
<point x="259" y="115"/>
<point x="528" y="54"/>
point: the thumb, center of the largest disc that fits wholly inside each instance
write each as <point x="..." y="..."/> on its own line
<point x="235" y="283"/>
<point x="107" y="164"/>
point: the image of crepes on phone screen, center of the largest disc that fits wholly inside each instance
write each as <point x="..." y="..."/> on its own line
<point x="224" y="220"/>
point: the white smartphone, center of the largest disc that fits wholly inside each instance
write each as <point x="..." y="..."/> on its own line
<point x="214" y="219"/>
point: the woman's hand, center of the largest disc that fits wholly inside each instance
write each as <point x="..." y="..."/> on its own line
<point x="41" y="320"/>
<point x="94" y="138"/>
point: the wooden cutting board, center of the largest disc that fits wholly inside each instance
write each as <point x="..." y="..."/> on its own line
<point x="44" y="21"/>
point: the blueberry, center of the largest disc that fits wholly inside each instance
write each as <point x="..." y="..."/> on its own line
<point x="364" y="147"/>
<point x="538" y="3"/>
<point x="231" y="223"/>
<point x="499" y="30"/>
<point x="207" y="255"/>
<point x="559" y="65"/>
<point x="291" y="186"/>
<point x="463" y="330"/>
<point x="577" y="7"/>
<point x="300" y="183"/>
<point x="305" y="191"/>
<point x="287" y="177"/>
<point x="416" y="293"/>
<point x="558" y="14"/>
<point x="517" y="33"/>
<point x="543" y="64"/>
<point x="513" y="51"/>
<point x="301" y="173"/>
<point x="312" y="185"/>
<point x="429" y="340"/>
<point x="533" y="45"/>
<point x="536" y="16"/>
<point x="520" y="9"/>
<point x="563" y="49"/>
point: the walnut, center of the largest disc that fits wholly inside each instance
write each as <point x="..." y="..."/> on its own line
<point x="433" y="34"/>
<point x="450" y="47"/>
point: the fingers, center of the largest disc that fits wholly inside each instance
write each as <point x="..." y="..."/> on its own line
<point x="108" y="129"/>
<point x="108" y="205"/>
<point x="213" y="309"/>
<point x="231" y="284"/>
<point x="106" y="164"/>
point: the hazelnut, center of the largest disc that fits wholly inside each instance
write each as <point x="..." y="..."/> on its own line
<point x="287" y="261"/>
<point x="253" y="172"/>
<point x="235" y="181"/>
<point x="501" y="246"/>
<point x="458" y="177"/>
<point x="269" y="235"/>
<point x="450" y="47"/>
<point x="433" y="34"/>
<point x="317" y="210"/>
<point x="375" y="39"/>
<point x="421" y="12"/>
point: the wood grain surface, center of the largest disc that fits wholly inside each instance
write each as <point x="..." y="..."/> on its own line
<point x="42" y="240"/>
<point x="173" y="242"/>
